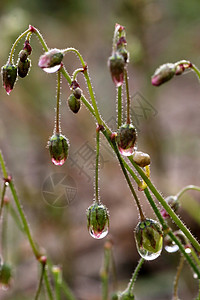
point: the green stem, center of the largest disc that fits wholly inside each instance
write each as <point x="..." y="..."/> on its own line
<point x="40" y="283"/>
<point x="76" y="72"/>
<point x="195" y="256"/>
<point x="119" y="107"/>
<point x="128" y="97"/>
<point x="179" y="269"/>
<point x="196" y="70"/>
<point x="168" y="209"/>
<point x="5" y="232"/>
<point x="57" y="129"/>
<point x="58" y="281"/>
<point x="41" y="39"/>
<point x="67" y="292"/>
<point x="189" y="65"/>
<point x="48" y="286"/>
<point x="187" y="188"/>
<point x="15" y="44"/>
<point x="134" y="276"/>
<point x="97" y="168"/>
<point x="2" y="198"/>
<point x="105" y="270"/>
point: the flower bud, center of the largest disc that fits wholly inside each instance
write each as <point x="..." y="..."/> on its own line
<point x="27" y="47"/>
<point x="5" y="274"/>
<point x="58" y="148"/>
<point x="173" y="202"/>
<point x="121" y="48"/>
<point x="141" y="159"/>
<point x="163" y="74"/>
<point x="77" y="93"/>
<point x="23" y="55"/>
<point x="149" y="239"/>
<point x="9" y="73"/>
<point x="74" y="103"/>
<point x="97" y="220"/>
<point x="50" y="61"/>
<point x="114" y="296"/>
<point x="116" y="64"/>
<point x="23" y="68"/>
<point x="126" y="296"/>
<point x="126" y="138"/>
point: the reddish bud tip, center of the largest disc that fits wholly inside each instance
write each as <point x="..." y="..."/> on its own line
<point x="163" y="74"/>
<point x="9" y="73"/>
<point x="27" y="47"/>
<point x="31" y="28"/>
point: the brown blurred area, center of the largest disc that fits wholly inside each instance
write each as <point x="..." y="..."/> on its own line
<point x="167" y="119"/>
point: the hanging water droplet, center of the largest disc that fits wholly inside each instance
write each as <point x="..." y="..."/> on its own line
<point x="58" y="162"/>
<point x="195" y="276"/>
<point x="171" y="248"/>
<point x="98" y="234"/>
<point x="188" y="250"/>
<point x="52" y="69"/>
<point x="147" y="255"/>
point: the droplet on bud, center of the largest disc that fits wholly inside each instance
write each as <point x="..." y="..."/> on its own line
<point x="163" y="73"/>
<point x="58" y="147"/>
<point x="51" y="61"/>
<point x="149" y="239"/>
<point x="126" y="138"/>
<point x="9" y="73"/>
<point x="116" y="64"/>
<point x="97" y="220"/>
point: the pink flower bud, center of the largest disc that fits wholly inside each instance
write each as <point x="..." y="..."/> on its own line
<point x="51" y="61"/>
<point x="163" y="74"/>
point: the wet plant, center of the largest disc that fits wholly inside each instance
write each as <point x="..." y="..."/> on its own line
<point x="150" y="234"/>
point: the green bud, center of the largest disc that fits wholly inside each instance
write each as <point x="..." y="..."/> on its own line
<point x="58" y="148"/>
<point x="97" y="220"/>
<point x="126" y="138"/>
<point x="23" y="68"/>
<point x="5" y="274"/>
<point x="141" y="159"/>
<point x="149" y="239"/>
<point x="74" y="103"/>
<point x="126" y="296"/>
<point x="9" y="73"/>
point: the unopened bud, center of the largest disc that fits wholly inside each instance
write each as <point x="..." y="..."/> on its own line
<point x="5" y="274"/>
<point x="23" y="54"/>
<point x="77" y="93"/>
<point x="126" y="139"/>
<point x="163" y="74"/>
<point x="74" y="103"/>
<point x="173" y="202"/>
<point x="9" y="73"/>
<point x="149" y="239"/>
<point x="50" y="61"/>
<point x="126" y="296"/>
<point x="116" y="64"/>
<point x="23" y="67"/>
<point x="141" y="159"/>
<point x="58" y="148"/>
<point x="97" y="220"/>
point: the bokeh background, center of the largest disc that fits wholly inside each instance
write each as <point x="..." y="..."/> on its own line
<point x="167" y="119"/>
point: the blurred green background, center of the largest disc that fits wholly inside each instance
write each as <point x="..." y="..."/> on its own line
<point x="167" y="119"/>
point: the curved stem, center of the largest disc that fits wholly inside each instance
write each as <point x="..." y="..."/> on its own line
<point x="40" y="37"/>
<point x="128" y="96"/>
<point x="196" y="70"/>
<point x="57" y="128"/>
<point x="40" y="283"/>
<point x="187" y="188"/>
<point x="71" y="49"/>
<point x="119" y="106"/>
<point x="2" y="198"/>
<point x="134" y="276"/>
<point x="179" y="269"/>
<point x="10" y="59"/>
<point x="76" y="73"/>
<point x="97" y="168"/>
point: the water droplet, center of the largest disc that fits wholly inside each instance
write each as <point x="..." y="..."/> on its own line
<point x="149" y="255"/>
<point x="188" y="250"/>
<point x="127" y="152"/>
<point x="98" y="234"/>
<point x="58" y="162"/>
<point x="195" y="276"/>
<point x="52" y="69"/>
<point x="171" y="248"/>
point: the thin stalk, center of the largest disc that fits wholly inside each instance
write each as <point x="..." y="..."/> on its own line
<point x="10" y="59"/>
<point x="128" y="97"/>
<point x="114" y="271"/>
<point x="40" y="283"/>
<point x="67" y="292"/>
<point x="57" y="129"/>
<point x="179" y="269"/>
<point x="97" y="168"/>
<point x="105" y="270"/>
<point x="134" y="276"/>
<point x="58" y="281"/>
<point x="119" y="106"/>
<point x="76" y="72"/>
<point x="168" y="209"/>
<point x="2" y="198"/>
<point x="71" y="49"/>
<point x="187" y="188"/>
<point x="195" y="256"/>
<point x="48" y="286"/>
<point x="196" y="70"/>
<point x="40" y="37"/>
<point x="5" y="233"/>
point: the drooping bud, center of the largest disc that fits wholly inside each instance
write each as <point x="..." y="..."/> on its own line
<point x="58" y="148"/>
<point x="9" y="73"/>
<point x="141" y="159"/>
<point x="116" y="64"/>
<point x="173" y="202"/>
<point x="5" y="274"/>
<point x="74" y="103"/>
<point x="127" y="296"/>
<point x="163" y="74"/>
<point x="51" y="61"/>
<point x="126" y="138"/>
<point x="97" y="220"/>
<point x="27" y="47"/>
<point x="149" y="239"/>
<point x="77" y="93"/>
<point x="23" y="55"/>
<point x="23" y="67"/>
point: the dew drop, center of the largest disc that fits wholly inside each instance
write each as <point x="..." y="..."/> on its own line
<point x="171" y="248"/>
<point x="188" y="250"/>
<point x="127" y="152"/>
<point x="52" y="69"/>
<point x="58" y="162"/>
<point x="195" y="276"/>
<point x="98" y="234"/>
<point x="147" y="255"/>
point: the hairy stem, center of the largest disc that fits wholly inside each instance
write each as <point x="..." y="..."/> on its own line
<point x="187" y="188"/>
<point x="179" y="269"/>
<point x="57" y="129"/>
<point x="134" y="276"/>
<point x="119" y="106"/>
<point x="40" y="283"/>
<point x="97" y="168"/>
<point x="127" y="96"/>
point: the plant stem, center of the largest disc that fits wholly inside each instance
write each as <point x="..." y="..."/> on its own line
<point x="76" y="72"/>
<point x="67" y="292"/>
<point x="5" y="232"/>
<point x="119" y="107"/>
<point x="10" y="59"/>
<point x="57" y="129"/>
<point x="40" y="283"/>
<point x="168" y="209"/>
<point x="2" y="198"/>
<point x="179" y="269"/>
<point x="134" y="276"/>
<point x="58" y="280"/>
<point x="40" y="37"/>
<point x="128" y="97"/>
<point x="97" y="168"/>
<point x="105" y="270"/>
<point x="48" y="286"/>
<point x="195" y="256"/>
<point x="187" y="188"/>
<point x="196" y="70"/>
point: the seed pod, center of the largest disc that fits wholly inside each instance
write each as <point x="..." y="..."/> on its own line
<point x="97" y="220"/>
<point x="163" y="74"/>
<point x="50" y="61"/>
<point x="5" y="274"/>
<point x="58" y="148"/>
<point x="149" y="239"/>
<point x="126" y="138"/>
<point x="116" y="64"/>
<point x="141" y="159"/>
<point x="23" y="68"/>
<point x="77" y="93"/>
<point x="9" y="73"/>
<point x="74" y="103"/>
